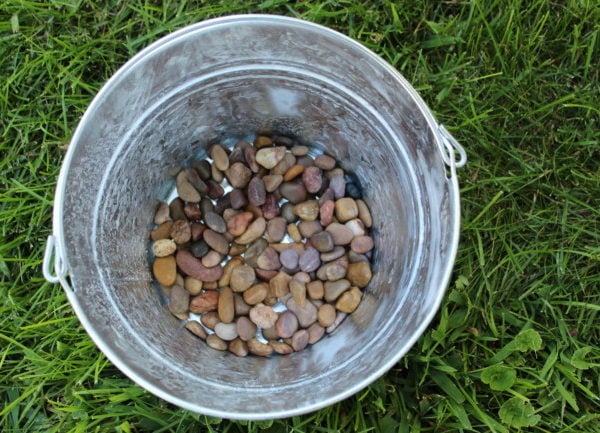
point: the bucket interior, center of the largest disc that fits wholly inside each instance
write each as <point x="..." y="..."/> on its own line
<point x="153" y="119"/>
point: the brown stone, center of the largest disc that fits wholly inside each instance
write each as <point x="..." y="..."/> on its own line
<point x="238" y="175"/>
<point x="325" y="162"/>
<point x="164" y="247"/>
<point x="349" y="300"/>
<point x="254" y="231"/>
<point x="165" y="270"/>
<point x="216" y="343"/>
<point x="333" y="289"/>
<point x="220" y="157"/>
<point x="341" y="234"/>
<point x="315" y="289"/>
<point x="359" y="274"/>
<point x="238" y="347"/>
<point x="326" y="315"/>
<point x="211" y="259"/>
<point x="193" y="285"/>
<point x="362" y="244"/>
<point x="193" y="267"/>
<point x="312" y="179"/>
<point x="242" y="277"/>
<point x="259" y="348"/>
<point x="163" y="231"/>
<point x="196" y="329"/>
<point x="181" y="232"/>
<point x="268" y="260"/>
<point x="207" y="301"/>
<point x="179" y="300"/>
<point x="345" y="209"/>
<point x="238" y="224"/>
<point x="263" y="316"/>
<point x="226" y="308"/>
<point x="269" y="157"/>
<point x="216" y="241"/>
<point x="298" y="291"/>
<point x="256" y="293"/>
<point x="227" y="269"/>
<point x="279" y="285"/>
<point x="210" y="319"/>
<point x="293" y="172"/>
<point x="245" y="328"/>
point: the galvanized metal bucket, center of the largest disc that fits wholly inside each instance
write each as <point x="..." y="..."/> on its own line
<point x="228" y="77"/>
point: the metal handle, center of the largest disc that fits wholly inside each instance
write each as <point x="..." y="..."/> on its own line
<point x="451" y="148"/>
<point x="53" y="261"/>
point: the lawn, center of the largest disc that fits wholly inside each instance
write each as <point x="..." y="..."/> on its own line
<point x="515" y="345"/>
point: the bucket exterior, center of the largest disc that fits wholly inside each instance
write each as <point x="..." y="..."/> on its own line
<point x="226" y="78"/>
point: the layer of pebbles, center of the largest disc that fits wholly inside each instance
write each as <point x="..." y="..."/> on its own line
<point x="265" y="249"/>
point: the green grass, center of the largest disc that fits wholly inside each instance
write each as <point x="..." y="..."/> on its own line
<point x="515" y="344"/>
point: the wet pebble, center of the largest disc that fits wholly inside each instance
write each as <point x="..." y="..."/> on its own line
<point x="259" y="348"/>
<point x="335" y="253"/>
<point x="300" y="340"/>
<point x="359" y="274"/>
<point x="238" y="347"/>
<point x="192" y="285"/>
<point x="237" y="224"/>
<point x="197" y="329"/>
<point x="288" y="258"/>
<point x="333" y="289"/>
<point x="256" y="293"/>
<point x="164" y="247"/>
<point x="225" y="306"/>
<point x="315" y="333"/>
<point x="279" y="285"/>
<point x="341" y="234"/>
<point x="204" y="302"/>
<point x="315" y="289"/>
<point x="210" y="319"/>
<point x="326" y="212"/>
<point x="226" y="331"/>
<point x="253" y="232"/>
<point x="256" y="191"/>
<point x="272" y="182"/>
<point x="306" y="314"/>
<point x="326" y="315"/>
<point x="215" y="222"/>
<point x="362" y="244"/>
<point x="242" y="277"/>
<point x="364" y="213"/>
<point x="322" y="241"/>
<point x="325" y="162"/>
<point x="263" y="316"/>
<point x="245" y="328"/>
<point x="309" y="260"/>
<point x="220" y="157"/>
<point x="269" y="157"/>
<point x="164" y="270"/>
<point x="216" y="343"/>
<point x="286" y="324"/>
<point x="294" y="192"/>
<point x="238" y="175"/>
<point x="312" y="179"/>
<point x="281" y="347"/>
<point x="268" y="260"/>
<point x="349" y="300"/>
<point x="276" y="229"/>
<point x="345" y="209"/>
<point x="179" y="300"/>
<point x="307" y="210"/>
<point x="181" y="232"/>
<point x="338" y="186"/>
<point x="216" y="241"/>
